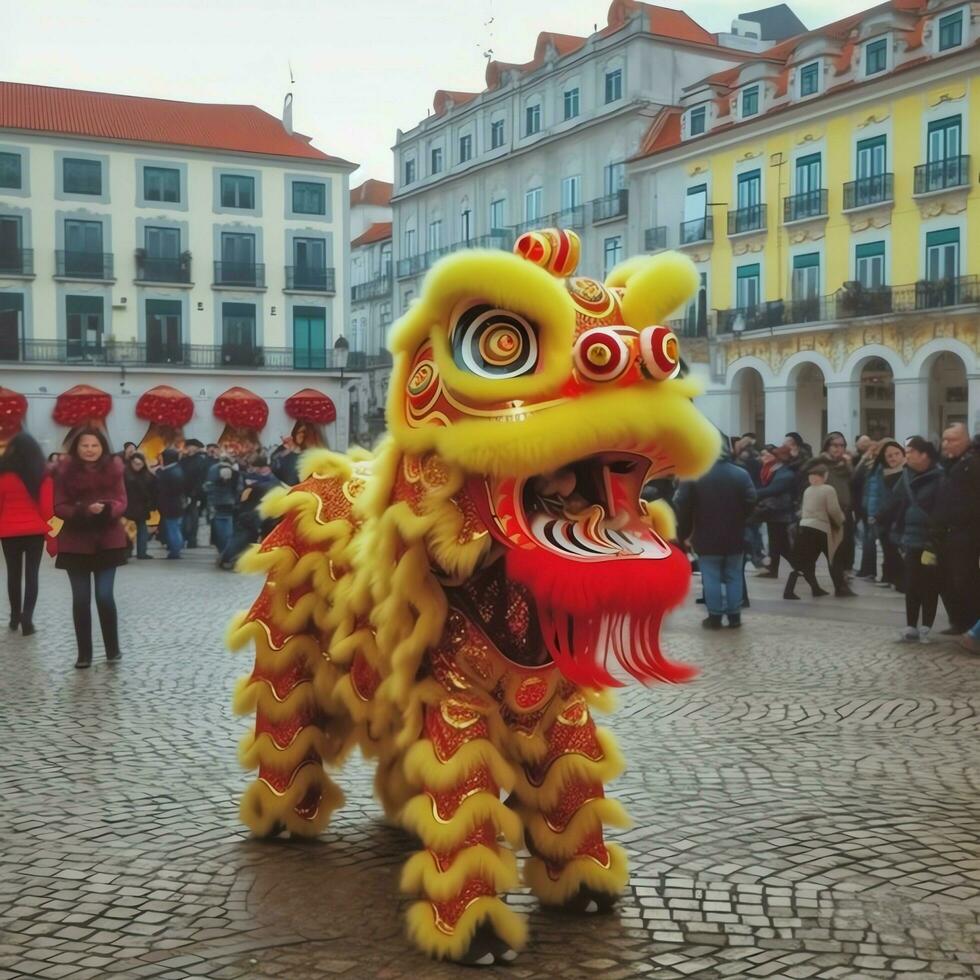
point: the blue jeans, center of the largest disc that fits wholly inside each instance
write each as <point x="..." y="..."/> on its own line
<point x="221" y="528"/>
<point x="81" y="607"/>
<point x="722" y="572"/>
<point x="173" y="536"/>
<point x="142" y="537"/>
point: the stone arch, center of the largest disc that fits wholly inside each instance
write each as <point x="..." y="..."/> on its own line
<point x="748" y="361"/>
<point x="854" y="364"/>
<point x="927" y="354"/>
<point x="805" y="375"/>
<point x="748" y="387"/>
<point x="875" y="378"/>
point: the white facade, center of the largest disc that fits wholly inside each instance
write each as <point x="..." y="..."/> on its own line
<point x="237" y="276"/>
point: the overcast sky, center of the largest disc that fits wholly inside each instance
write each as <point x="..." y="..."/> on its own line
<point x="363" y="68"/>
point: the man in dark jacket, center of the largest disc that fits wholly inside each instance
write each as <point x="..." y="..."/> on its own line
<point x="711" y="513"/>
<point x="249" y="524"/>
<point x="195" y="465"/>
<point x="223" y="488"/>
<point x="955" y="528"/>
<point x="171" y="502"/>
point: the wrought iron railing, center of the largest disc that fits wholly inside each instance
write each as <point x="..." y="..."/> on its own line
<point x="150" y="269"/>
<point x="655" y="239"/>
<point x="697" y="230"/>
<point x="610" y="206"/>
<point x="865" y="191"/>
<point x="371" y="290"/>
<point x="70" y="264"/>
<point x="940" y="175"/>
<point x="809" y="204"/>
<point x="239" y="274"/>
<point x="413" y="265"/>
<point x="320" y="280"/>
<point x="751" y="218"/>
<point x="16" y="262"/>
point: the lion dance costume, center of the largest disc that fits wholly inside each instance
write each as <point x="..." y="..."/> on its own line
<point x="455" y="602"/>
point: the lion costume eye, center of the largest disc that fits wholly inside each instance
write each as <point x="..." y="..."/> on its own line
<point x="494" y="343"/>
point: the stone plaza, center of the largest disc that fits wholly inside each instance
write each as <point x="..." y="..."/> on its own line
<point x="809" y="807"/>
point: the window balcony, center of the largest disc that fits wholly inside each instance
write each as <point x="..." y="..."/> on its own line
<point x="16" y="262"/>
<point x="573" y="218"/>
<point x="803" y="207"/>
<point x="249" y="274"/>
<point x="746" y="220"/>
<point x="374" y="289"/>
<point x="611" y="206"/>
<point x="869" y="191"/>
<point x="942" y="175"/>
<point x="413" y="265"/>
<point x="696" y="231"/>
<point x="83" y="265"/>
<point x="310" y="279"/>
<point x="655" y="239"/>
<point x="151" y="269"/>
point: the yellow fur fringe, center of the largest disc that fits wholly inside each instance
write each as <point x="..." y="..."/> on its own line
<point x="589" y="818"/>
<point x="579" y="871"/>
<point x="421" y="875"/>
<point x="422" y="768"/>
<point x="443" y="835"/>
<point x="265" y="811"/>
<point x="422" y="929"/>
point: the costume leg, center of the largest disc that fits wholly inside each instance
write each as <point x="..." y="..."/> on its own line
<point x="459" y="816"/>
<point x="564" y="808"/>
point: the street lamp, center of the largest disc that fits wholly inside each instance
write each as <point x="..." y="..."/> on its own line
<point x="341" y="351"/>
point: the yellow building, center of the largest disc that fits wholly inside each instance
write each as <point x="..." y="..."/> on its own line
<point x="827" y="191"/>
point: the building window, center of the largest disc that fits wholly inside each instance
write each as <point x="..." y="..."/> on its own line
<point x="10" y="171"/>
<point x="614" y="85"/>
<point x="694" y="228"/>
<point x="162" y="243"/>
<point x="238" y="333"/>
<point x="11" y="256"/>
<point x="465" y="148"/>
<point x="496" y="134"/>
<point x="11" y="325"/>
<point x="409" y="242"/>
<point x="409" y="171"/>
<point x="83" y="249"/>
<point x="497" y="218"/>
<point x="810" y="79"/>
<point x="237" y="259"/>
<point x="434" y="241"/>
<point x="750" y="101"/>
<point x="435" y="160"/>
<point x="747" y="286"/>
<point x="806" y="276"/>
<point x="237" y="191"/>
<point x="697" y="121"/>
<point x="943" y="254"/>
<point x="310" y="337"/>
<point x="613" y="178"/>
<point x="84" y="324"/>
<point x="161" y="184"/>
<point x="82" y="176"/>
<point x="163" y="331"/>
<point x="309" y="197"/>
<point x="532" y="204"/>
<point x="532" y="120"/>
<point x="309" y="263"/>
<point x="876" y="56"/>
<point x="869" y="265"/>
<point x="945" y="139"/>
<point x="612" y="254"/>
<point x="571" y="195"/>
<point x="465" y="229"/>
<point x="951" y="30"/>
<point x="570" y="99"/>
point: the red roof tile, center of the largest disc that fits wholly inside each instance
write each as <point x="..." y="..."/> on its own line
<point x="377" y="232"/>
<point x="376" y="193"/>
<point x="442" y="98"/>
<point x="663" y="21"/>
<point x="133" y="119"/>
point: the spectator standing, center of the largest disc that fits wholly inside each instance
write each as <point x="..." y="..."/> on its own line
<point x="956" y="529"/>
<point x="839" y="474"/>
<point x="749" y="458"/>
<point x="711" y="513"/>
<point x="776" y="506"/>
<point x="171" y="502"/>
<point x="195" y="465"/>
<point x="90" y="497"/>
<point x="910" y="509"/>
<point x="26" y="505"/>
<point x="128" y="450"/>
<point x="249" y="524"/>
<point x="888" y="472"/>
<point x="866" y="490"/>
<point x="820" y="532"/>
<point x="140" y="500"/>
<point x="223" y="488"/>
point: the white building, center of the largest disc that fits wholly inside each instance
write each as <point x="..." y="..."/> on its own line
<point x="546" y="142"/>
<point x="145" y="241"/>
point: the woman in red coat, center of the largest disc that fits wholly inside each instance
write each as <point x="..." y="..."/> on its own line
<point x="90" y="497"/>
<point x="25" y="508"/>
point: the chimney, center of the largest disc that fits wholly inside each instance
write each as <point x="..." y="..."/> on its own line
<point x="287" y="113"/>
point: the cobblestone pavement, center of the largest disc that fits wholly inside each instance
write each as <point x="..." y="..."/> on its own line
<point x="810" y="807"/>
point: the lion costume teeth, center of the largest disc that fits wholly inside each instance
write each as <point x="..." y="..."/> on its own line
<point x="454" y="602"/>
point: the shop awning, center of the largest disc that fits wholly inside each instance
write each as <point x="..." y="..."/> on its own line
<point x="310" y="405"/>
<point x="80" y="404"/>
<point x="165" y="406"/>
<point x="241" y="408"/>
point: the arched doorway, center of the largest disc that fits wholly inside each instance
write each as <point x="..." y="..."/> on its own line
<point x="877" y="399"/>
<point x="811" y="402"/>
<point x="751" y="403"/>
<point x="948" y="393"/>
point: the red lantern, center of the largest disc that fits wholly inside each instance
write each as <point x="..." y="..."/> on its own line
<point x="310" y="405"/>
<point x="164" y="405"/>
<point x="13" y="408"/>
<point x="82" y="405"/>
<point x="242" y="409"/>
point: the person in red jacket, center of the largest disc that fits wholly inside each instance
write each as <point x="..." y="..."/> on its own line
<point x="25" y="508"/>
<point x="90" y="497"/>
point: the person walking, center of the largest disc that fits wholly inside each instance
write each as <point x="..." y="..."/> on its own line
<point x="888" y="472"/>
<point x="820" y="532"/>
<point x="866" y="490"/>
<point x="26" y="505"/>
<point x="839" y="474"/>
<point x="910" y="509"/>
<point x="776" y="507"/>
<point x="249" y="524"/>
<point x="90" y="497"/>
<point x="195" y="465"/>
<point x="956" y="529"/>
<point x="171" y="502"/>
<point x="711" y="514"/>
<point x="223" y="488"/>
<point x="140" y="500"/>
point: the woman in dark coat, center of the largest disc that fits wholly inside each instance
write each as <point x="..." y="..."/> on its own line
<point x="775" y="506"/>
<point x="140" y="499"/>
<point x="90" y="497"/>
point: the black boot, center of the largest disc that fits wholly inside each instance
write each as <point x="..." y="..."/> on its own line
<point x="734" y="620"/>
<point x="14" y="620"/>
<point x="788" y="592"/>
<point x="815" y="589"/>
<point x="712" y="623"/>
<point x="27" y="628"/>
<point x="84" y="660"/>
